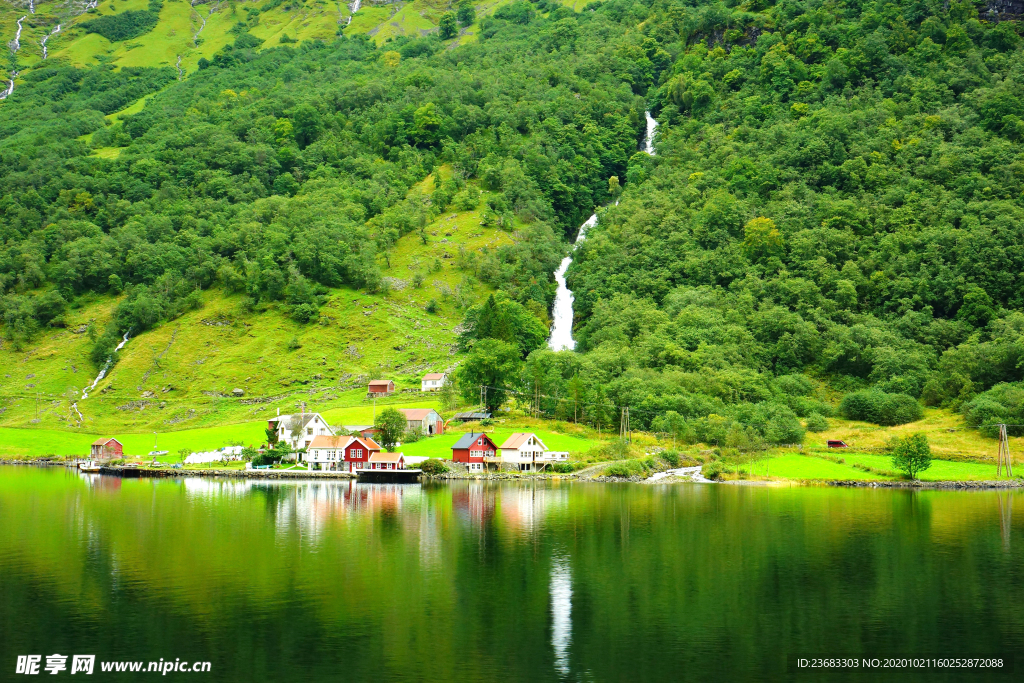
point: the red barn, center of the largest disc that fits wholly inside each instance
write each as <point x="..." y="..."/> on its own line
<point x="472" y="448"/>
<point x="106" y="448"/>
<point x="381" y="387"/>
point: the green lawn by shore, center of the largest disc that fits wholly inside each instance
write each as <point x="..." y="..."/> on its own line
<point x="809" y="467"/>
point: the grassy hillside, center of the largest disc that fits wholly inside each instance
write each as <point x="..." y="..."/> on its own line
<point x="187" y="365"/>
<point x="186" y="32"/>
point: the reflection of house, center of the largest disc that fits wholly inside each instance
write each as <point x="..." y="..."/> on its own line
<point x="340" y="453"/>
<point x="387" y="461"/>
<point x="524" y="451"/>
<point x="103" y="449"/>
<point x="433" y="381"/>
<point x="472" y="448"/>
<point x="423" y="420"/>
<point x="380" y="387"/>
<point x="299" y="430"/>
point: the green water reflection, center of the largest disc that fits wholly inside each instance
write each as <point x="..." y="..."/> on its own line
<point x="477" y="582"/>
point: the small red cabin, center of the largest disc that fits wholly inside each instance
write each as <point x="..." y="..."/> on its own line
<point x="834" y="443"/>
<point x="472" y="448"/>
<point x="103" y="449"/>
<point x="380" y="387"/>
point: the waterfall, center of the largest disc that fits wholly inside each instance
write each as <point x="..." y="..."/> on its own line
<point x="47" y="37"/>
<point x="561" y="328"/>
<point x="652" y="125"/>
<point x="10" y="86"/>
<point x="353" y="8"/>
<point x="17" y="36"/>
<point x="106" y="366"/>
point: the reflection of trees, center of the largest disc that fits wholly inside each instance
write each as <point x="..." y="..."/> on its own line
<point x="462" y="581"/>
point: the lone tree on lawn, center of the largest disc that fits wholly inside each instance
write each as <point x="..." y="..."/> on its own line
<point x="390" y="425"/>
<point x="912" y="454"/>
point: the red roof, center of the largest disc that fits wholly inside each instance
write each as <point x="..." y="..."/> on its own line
<point x="341" y="442"/>
<point x="103" y="442"/>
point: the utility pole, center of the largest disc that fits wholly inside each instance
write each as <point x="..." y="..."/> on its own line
<point x="1003" y="457"/>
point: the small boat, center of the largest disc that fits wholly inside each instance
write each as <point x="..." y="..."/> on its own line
<point x="89" y="466"/>
<point x="156" y="453"/>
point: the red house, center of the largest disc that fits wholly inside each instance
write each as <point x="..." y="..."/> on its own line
<point x="339" y="453"/>
<point x="106" y="448"/>
<point x="472" y="448"/>
<point x="381" y="387"/>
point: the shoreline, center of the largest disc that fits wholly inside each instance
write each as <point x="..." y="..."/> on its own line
<point x="157" y="473"/>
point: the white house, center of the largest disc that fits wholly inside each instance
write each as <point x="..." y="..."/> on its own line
<point x="524" y="451"/>
<point x="298" y="430"/>
<point x="433" y="381"/>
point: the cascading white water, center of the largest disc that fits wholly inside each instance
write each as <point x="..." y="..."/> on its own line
<point x="353" y="8"/>
<point x="10" y="86"/>
<point x="15" y="46"/>
<point x="31" y="6"/>
<point x="561" y="327"/>
<point x="17" y="36"/>
<point x="652" y="125"/>
<point x="106" y="366"/>
<point x="47" y="37"/>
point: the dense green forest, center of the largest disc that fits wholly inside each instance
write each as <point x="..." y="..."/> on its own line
<point x="835" y="206"/>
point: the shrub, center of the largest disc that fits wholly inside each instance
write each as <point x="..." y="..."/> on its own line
<point x="630" y="468"/>
<point x="712" y="470"/>
<point x="122" y="26"/>
<point x="434" y="466"/>
<point x="671" y="457"/>
<point x="873" y="405"/>
<point x="567" y="467"/>
<point x="304" y="313"/>
<point x="431" y="306"/>
<point x="1003" y="403"/>
<point x="912" y="454"/>
<point x="412" y="436"/>
<point x="816" y="422"/>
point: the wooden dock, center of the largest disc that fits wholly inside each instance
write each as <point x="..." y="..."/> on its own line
<point x="391" y="476"/>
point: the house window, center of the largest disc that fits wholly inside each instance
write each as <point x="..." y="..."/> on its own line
<point x="309" y="431"/>
<point x="357" y="452"/>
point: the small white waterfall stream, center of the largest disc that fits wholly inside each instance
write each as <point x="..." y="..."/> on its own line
<point x="106" y="366"/>
<point x="15" y="45"/>
<point x="47" y="37"/>
<point x="353" y="8"/>
<point x="17" y="36"/>
<point x="561" y="327"/>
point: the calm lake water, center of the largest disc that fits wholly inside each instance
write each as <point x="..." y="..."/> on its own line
<point x="525" y="582"/>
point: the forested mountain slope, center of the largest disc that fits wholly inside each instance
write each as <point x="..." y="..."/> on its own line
<point x="834" y="208"/>
<point x="284" y="176"/>
<point x="838" y="192"/>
